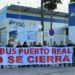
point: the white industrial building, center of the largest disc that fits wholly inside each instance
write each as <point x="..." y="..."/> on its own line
<point x="20" y="22"/>
<point x="23" y="24"/>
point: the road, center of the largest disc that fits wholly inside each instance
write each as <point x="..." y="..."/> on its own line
<point x="39" y="71"/>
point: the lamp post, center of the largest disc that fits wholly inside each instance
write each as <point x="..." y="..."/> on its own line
<point x="42" y="19"/>
<point x="19" y="10"/>
<point x="51" y="5"/>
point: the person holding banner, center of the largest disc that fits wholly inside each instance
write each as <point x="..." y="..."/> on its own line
<point x="39" y="45"/>
<point x="54" y="44"/>
<point x="18" y="46"/>
<point x="45" y="44"/>
<point x="61" y="45"/>
<point x="10" y="44"/>
<point x="2" y="67"/>
<point x="34" y="44"/>
<point x="25" y="44"/>
<point x="70" y="44"/>
<point x="31" y="44"/>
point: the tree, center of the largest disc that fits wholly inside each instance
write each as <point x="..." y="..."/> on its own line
<point x="72" y="0"/>
<point x="50" y="5"/>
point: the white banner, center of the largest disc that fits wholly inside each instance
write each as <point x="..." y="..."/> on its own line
<point x="35" y="55"/>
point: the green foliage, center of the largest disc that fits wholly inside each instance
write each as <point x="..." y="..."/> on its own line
<point x="52" y="1"/>
<point x="72" y="0"/>
<point x="51" y="4"/>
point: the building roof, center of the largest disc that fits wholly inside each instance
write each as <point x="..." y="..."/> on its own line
<point x="35" y="10"/>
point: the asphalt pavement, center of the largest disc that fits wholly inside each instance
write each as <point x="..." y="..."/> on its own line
<point x="51" y="70"/>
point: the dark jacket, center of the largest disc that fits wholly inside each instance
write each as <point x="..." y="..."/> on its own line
<point x="8" y="45"/>
<point x="18" y="46"/>
<point x="70" y="45"/>
<point x="24" y="45"/>
<point x="61" y="46"/>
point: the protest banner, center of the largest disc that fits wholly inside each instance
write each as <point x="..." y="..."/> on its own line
<point x="35" y="55"/>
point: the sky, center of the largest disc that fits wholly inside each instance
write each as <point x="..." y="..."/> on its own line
<point x="34" y="3"/>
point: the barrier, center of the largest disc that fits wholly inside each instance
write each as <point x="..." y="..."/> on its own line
<point x="35" y="55"/>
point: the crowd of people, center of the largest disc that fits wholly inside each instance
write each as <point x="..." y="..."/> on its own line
<point x="11" y="43"/>
<point x="34" y="44"/>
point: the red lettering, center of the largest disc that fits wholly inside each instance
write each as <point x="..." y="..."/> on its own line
<point x="30" y="59"/>
<point x="26" y="51"/>
<point x="36" y="51"/>
<point x="1" y="50"/>
<point x="36" y="60"/>
<point x="1" y="59"/>
<point x="66" y="58"/>
<point x="46" y="51"/>
<point x="8" y="50"/>
<point x="58" y="58"/>
<point x="32" y="51"/>
<point x="64" y="51"/>
<point x="58" y="51"/>
<point x="20" y="50"/>
<point x="42" y="59"/>
<point x="53" y="51"/>
<point x="19" y="59"/>
<point x="11" y="59"/>
<point x="41" y="50"/>
<point x="69" y="50"/>
<point x="50" y="59"/>
<point x="13" y="51"/>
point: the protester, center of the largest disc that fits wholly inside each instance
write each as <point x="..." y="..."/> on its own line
<point x="61" y="44"/>
<point x="25" y="44"/>
<point x="45" y="44"/>
<point x="31" y="44"/>
<point x="10" y="44"/>
<point x="70" y="44"/>
<point x="2" y="67"/>
<point x="54" y="44"/>
<point x="18" y="46"/>
<point x="34" y="44"/>
<point x="39" y="45"/>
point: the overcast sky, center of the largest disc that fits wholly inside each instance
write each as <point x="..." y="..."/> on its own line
<point x="34" y="3"/>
